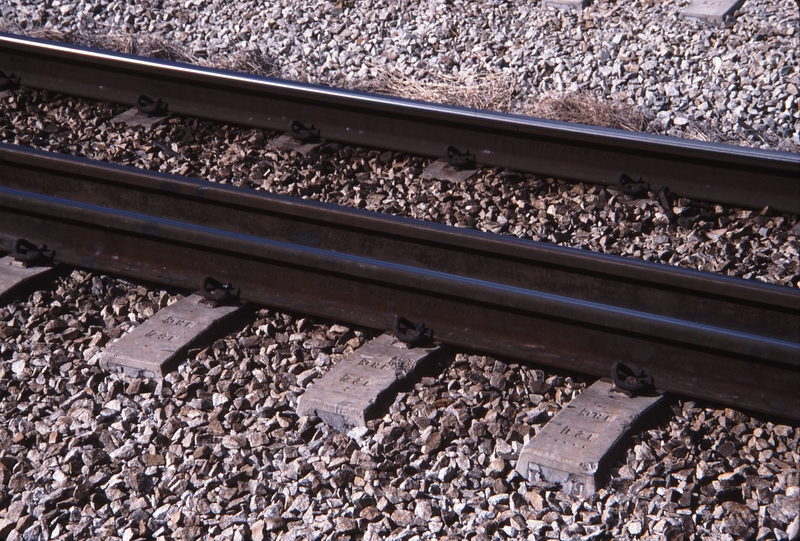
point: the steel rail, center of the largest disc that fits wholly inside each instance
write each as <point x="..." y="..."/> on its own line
<point x="745" y="177"/>
<point x="702" y="335"/>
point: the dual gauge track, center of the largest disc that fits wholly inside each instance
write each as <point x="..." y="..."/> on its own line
<point x="701" y="335"/>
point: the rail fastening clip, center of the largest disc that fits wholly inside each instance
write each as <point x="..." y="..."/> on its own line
<point x="410" y="333"/>
<point x="31" y="255"/>
<point x="631" y="382"/>
<point x="216" y="293"/>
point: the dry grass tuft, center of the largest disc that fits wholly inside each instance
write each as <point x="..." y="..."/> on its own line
<point x="36" y="33"/>
<point x="586" y="108"/>
<point x="247" y="60"/>
<point x="252" y="61"/>
<point x="492" y="91"/>
<point x="114" y="40"/>
<point x="136" y="44"/>
<point x="495" y="92"/>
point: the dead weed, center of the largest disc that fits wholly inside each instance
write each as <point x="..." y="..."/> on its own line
<point x="586" y="108"/>
<point x="492" y="91"/>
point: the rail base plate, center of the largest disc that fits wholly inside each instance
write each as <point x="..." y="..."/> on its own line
<point x="576" y="448"/>
<point x="345" y="396"/>
<point x="150" y="349"/>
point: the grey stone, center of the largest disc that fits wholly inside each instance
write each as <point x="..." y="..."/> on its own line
<point x="273" y="523"/>
<point x="793" y="530"/>
<point x="6" y="525"/>
<point x="126" y="452"/>
<point x="576" y="447"/>
<point x="346" y="525"/>
<point x="496" y="467"/>
<point x="257" y="531"/>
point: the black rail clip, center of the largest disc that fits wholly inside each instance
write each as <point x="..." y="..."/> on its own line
<point x="218" y="294"/>
<point x="302" y="133"/>
<point x="150" y="107"/>
<point x="635" y="188"/>
<point x="665" y="198"/>
<point x="457" y="159"/>
<point x="31" y="255"/>
<point x="8" y="82"/>
<point x="412" y="334"/>
<point x="630" y="382"/>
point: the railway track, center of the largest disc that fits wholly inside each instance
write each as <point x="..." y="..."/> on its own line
<point x="742" y="177"/>
<point x="497" y="295"/>
<point x="575" y="310"/>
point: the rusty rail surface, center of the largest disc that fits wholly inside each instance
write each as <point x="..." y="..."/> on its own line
<point x="738" y="176"/>
<point x="707" y="336"/>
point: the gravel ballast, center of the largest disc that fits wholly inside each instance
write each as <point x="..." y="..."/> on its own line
<point x="215" y="450"/>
